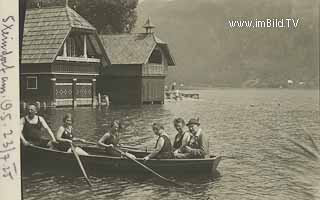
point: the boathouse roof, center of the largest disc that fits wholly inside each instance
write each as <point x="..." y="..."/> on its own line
<point x="46" y="29"/>
<point x="134" y="48"/>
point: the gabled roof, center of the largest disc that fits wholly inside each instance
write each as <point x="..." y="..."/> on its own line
<point x="45" y="30"/>
<point x="133" y="48"/>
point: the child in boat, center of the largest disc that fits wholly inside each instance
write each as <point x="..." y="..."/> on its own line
<point x="163" y="148"/>
<point x="65" y="136"/>
<point x="197" y="145"/>
<point x="181" y="138"/>
<point x="111" y="139"/>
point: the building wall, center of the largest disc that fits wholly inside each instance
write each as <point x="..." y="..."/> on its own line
<point x="134" y="84"/>
<point x="153" y="89"/>
<point x="122" y="70"/>
<point x="122" y="83"/>
<point x="60" y="84"/>
<point x="122" y="90"/>
<point x="43" y="93"/>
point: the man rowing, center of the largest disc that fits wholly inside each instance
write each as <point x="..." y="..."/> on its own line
<point x="31" y="128"/>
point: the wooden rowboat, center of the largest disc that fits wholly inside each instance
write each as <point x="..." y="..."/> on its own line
<point x="99" y="162"/>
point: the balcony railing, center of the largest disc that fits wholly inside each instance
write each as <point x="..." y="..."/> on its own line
<point x="78" y="59"/>
<point x="152" y="69"/>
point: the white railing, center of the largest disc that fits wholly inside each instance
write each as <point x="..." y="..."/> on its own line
<point x="154" y="69"/>
<point x="84" y="101"/>
<point x="78" y="59"/>
<point x="64" y="102"/>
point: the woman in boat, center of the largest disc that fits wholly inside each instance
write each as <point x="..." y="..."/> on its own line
<point x="197" y="145"/>
<point x="163" y="148"/>
<point x="111" y="139"/>
<point x="31" y="129"/>
<point x="181" y="138"/>
<point x="65" y="136"/>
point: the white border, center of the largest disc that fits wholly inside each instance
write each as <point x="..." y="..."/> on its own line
<point x="10" y="189"/>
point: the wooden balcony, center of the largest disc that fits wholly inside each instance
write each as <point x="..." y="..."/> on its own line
<point x="78" y="59"/>
<point x="152" y="69"/>
<point x="75" y="67"/>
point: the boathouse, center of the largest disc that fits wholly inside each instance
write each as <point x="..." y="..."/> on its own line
<point x="139" y="65"/>
<point x="61" y="58"/>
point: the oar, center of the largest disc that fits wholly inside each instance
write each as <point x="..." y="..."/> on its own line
<point x="147" y="168"/>
<point x="80" y="164"/>
<point x="124" y="146"/>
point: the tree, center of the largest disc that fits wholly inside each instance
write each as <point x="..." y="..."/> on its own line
<point x="108" y="16"/>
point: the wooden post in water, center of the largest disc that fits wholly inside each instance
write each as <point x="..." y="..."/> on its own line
<point x="99" y="99"/>
<point x="107" y="100"/>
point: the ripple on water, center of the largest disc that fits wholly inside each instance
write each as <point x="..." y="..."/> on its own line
<point x="250" y="127"/>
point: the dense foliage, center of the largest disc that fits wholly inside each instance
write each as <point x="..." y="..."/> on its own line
<point x="108" y="16"/>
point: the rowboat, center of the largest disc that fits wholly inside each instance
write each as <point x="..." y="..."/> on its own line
<point x="98" y="162"/>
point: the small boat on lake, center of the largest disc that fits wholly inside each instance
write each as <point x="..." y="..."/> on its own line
<point x="37" y="158"/>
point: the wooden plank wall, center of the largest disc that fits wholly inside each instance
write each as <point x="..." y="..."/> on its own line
<point x="153" y="89"/>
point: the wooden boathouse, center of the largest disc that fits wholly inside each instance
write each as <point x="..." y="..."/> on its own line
<point x="61" y="58"/>
<point x="139" y="65"/>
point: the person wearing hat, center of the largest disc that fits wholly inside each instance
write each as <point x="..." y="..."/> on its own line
<point x="196" y="146"/>
<point x="163" y="148"/>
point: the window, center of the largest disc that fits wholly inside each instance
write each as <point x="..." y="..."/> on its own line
<point x="32" y="82"/>
<point x="71" y="47"/>
<point x="156" y="57"/>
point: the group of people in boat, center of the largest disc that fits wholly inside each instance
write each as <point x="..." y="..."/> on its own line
<point x="189" y="143"/>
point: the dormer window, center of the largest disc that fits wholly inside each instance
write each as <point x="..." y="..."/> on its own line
<point x="74" y="46"/>
<point x="79" y="47"/>
<point x="156" y="57"/>
<point x="71" y="47"/>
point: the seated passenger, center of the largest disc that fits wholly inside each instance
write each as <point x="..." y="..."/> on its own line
<point x="163" y="148"/>
<point x="65" y="136"/>
<point x="111" y="139"/>
<point x="181" y="137"/>
<point x="31" y="129"/>
<point x="197" y="145"/>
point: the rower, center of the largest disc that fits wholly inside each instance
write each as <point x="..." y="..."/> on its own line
<point x="31" y="128"/>
<point x="111" y="139"/>
<point x="65" y="136"/>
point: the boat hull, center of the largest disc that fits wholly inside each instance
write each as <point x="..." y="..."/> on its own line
<point x="38" y="158"/>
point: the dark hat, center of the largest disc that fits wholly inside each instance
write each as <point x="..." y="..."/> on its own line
<point x="193" y="121"/>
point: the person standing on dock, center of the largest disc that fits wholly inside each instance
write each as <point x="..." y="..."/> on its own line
<point x="163" y="148"/>
<point x="31" y="128"/>
<point x="197" y="145"/>
<point x="181" y="137"/>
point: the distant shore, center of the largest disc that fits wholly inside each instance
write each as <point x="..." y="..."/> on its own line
<point x="211" y="87"/>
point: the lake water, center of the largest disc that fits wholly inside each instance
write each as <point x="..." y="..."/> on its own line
<point x="252" y="128"/>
